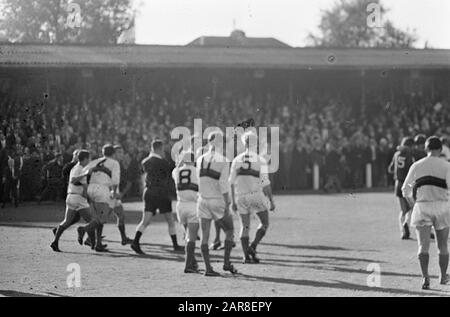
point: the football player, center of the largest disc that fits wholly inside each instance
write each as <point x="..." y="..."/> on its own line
<point x="214" y="201"/>
<point x="401" y="162"/>
<point x="102" y="191"/>
<point x="426" y="185"/>
<point x="186" y="182"/>
<point x="124" y="187"/>
<point x="250" y="189"/>
<point x="76" y="201"/>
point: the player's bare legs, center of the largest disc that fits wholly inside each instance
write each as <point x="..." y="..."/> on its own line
<point x="442" y="243"/>
<point x="145" y="222"/>
<point x="228" y="227"/>
<point x="191" y="265"/>
<point x="172" y="231"/>
<point x="423" y="239"/>
<point x="404" y="218"/>
<point x="120" y="215"/>
<point x="205" y="225"/>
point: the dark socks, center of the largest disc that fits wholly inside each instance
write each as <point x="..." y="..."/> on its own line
<point x="174" y="240"/>
<point x="137" y="237"/>
<point x="122" y="232"/>
<point x="260" y="233"/>
<point x="227" y="252"/>
<point x="91" y="226"/>
<point x="443" y="263"/>
<point x="245" y="243"/>
<point x="424" y="258"/>
<point x="190" y="254"/>
<point x="59" y="232"/>
<point x="218" y="228"/>
<point x="98" y="235"/>
<point x="205" y="254"/>
<point x="75" y="219"/>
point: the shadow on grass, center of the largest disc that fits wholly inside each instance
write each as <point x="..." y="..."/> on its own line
<point x="340" y="285"/>
<point x="325" y="257"/>
<point x="383" y="273"/>
<point x="26" y="226"/>
<point x="10" y="293"/>
<point x="313" y="247"/>
<point x="306" y="247"/>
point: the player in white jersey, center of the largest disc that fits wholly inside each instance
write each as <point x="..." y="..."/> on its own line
<point x="76" y="201"/>
<point x="251" y="194"/>
<point x="214" y="201"/>
<point x="186" y="182"/>
<point x="102" y="191"/>
<point x="427" y="187"/>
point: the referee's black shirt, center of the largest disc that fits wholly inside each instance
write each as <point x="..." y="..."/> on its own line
<point x="159" y="174"/>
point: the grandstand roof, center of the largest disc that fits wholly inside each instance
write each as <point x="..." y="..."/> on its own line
<point x="238" y="38"/>
<point x="150" y="56"/>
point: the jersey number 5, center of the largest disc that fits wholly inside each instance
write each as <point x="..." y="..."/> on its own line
<point x="401" y="161"/>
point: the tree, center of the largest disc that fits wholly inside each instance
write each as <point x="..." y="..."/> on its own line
<point x="348" y="24"/>
<point x="55" y="21"/>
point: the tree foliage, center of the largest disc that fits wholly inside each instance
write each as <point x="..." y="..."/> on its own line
<point x="46" y="21"/>
<point x="346" y="25"/>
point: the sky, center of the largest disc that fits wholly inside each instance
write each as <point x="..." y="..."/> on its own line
<point x="177" y="22"/>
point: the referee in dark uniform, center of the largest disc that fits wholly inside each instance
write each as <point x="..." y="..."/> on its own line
<point x="156" y="194"/>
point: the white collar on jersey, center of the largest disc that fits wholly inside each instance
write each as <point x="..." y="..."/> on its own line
<point x="155" y="155"/>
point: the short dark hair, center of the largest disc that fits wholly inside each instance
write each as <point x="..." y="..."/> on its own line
<point x="420" y="139"/>
<point x="82" y="155"/>
<point x="118" y="147"/>
<point x="157" y="144"/>
<point x="433" y="143"/>
<point x="407" y="141"/>
<point x="108" y="150"/>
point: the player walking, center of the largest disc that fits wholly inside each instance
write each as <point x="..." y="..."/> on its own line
<point x="427" y="186"/>
<point x="102" y="190"/>
<point x="186" y="182"/>
<point x="249" y="182"/>
<point x="124" y="187"/>
<point x="156" y="195"/>
<point x="401" y="162"/>
<point x="214" y="202"/>
<point x="76" y="201"/>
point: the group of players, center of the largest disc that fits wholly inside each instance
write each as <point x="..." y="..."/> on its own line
<point x="208" y="189"/>
<point x="93" y="192"/>
<point x="422" y="183"/>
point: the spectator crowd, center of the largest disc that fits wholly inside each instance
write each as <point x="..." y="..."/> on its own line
<point x="340" y="137"/>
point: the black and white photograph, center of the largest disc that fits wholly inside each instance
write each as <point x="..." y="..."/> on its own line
<point x="223" y="154"/>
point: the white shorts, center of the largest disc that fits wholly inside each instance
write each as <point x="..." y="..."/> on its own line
<point x="76" y="202"/>
<point x="252" y="203"/>
<point x="211" y="208"/>
<point x="187" y="212"/>
<point x="100" y="194"/>
<point x="436" y="214"/>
